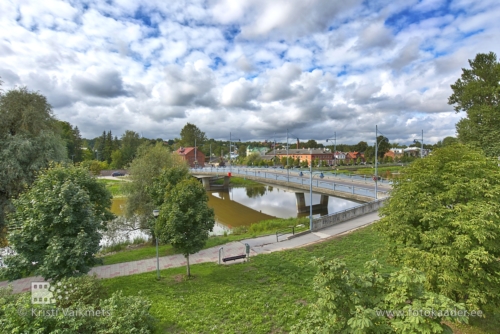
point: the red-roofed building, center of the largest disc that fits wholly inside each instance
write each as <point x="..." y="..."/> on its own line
<point x="194" y="159"/>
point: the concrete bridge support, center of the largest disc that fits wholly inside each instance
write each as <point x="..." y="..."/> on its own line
<point x="303" y="208"/>
<point x="206" y="183"/>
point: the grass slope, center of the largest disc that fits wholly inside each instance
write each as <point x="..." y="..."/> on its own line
<point x="267" y="295"/>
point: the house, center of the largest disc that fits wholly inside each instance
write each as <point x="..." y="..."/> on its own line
<point x="307" y="154"/>
<point x="192" y="155"/>
<point x="352" y="157"/>
<point x="394" y="153"/>
<point x="260" y="150"/>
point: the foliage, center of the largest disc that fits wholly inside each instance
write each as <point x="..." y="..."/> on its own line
<point x="477" y="92"/>
<point x="185" y="218"/>
<point x="73" y="140"/>
<point x="28" y="142"/>
<point x="253" y="159"/>
<point x="443" y="219"/>
<point x="130" y="142"/>
<point x="95" y="166"/>
<point x="150" y="161"/>
<point x="85" y="311"/>
<point x="372" y="303"/>
<point x="190" y="133"/>
<point x="55" y="229"/>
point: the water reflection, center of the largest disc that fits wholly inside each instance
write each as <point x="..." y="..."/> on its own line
<point x="245" y="206"/>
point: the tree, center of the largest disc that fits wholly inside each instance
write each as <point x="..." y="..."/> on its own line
<point x="148" y="164"/>
<point x="442" y="218"/>
<point x="55" y="229"/>
<point x="477" y="92"/>
<point x="189" y="133"/>
<point x="73" y="140"/>
<point x="185" y="218"/>
<point x="361" y="146"/>
<point x="28" y="142"/>
<point x="372" y="303"/>
<point x="253" y="159"/>
<point x="130" y="142"/>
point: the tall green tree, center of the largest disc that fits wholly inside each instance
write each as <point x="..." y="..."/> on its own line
<point x="442" y="218"/>
<point x="185" y="219"/>
<point x="29" y="140"/>
<point x="148" y="164"/>
<point x="189" y="133"/>
<point x="477" y="92"/>
<point x="130" y="141"/>
<point x="73" y="141"/>
<point x="55" y="228"/>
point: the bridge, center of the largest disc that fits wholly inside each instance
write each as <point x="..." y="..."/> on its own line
<point x="353" y="188"/>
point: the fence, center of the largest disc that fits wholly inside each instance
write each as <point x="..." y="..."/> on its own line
<point x="342" y="216"/>
<point x="292" y="177"/>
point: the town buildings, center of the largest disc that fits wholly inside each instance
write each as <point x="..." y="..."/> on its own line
<point x="194" y="157"/>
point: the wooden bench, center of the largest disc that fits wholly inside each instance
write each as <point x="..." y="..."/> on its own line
<point x="232" y="258"/>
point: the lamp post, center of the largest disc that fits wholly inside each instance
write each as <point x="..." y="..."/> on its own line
<point x="421" y="145"/>
<point x="335" y="147"/>
<point x="156" y="213"/>
<point x="311" y="193"/>
<point x="230" y="163"/>
<point x="195" y="159"/>
<point x="376" y="159"/>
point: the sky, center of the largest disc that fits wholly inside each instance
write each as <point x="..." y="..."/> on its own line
<point x="248" y="69"/>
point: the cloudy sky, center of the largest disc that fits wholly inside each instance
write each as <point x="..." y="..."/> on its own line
<point x="252" y="68"/>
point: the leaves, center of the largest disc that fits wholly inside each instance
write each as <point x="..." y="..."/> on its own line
<point x="56" y="225"/>
<point x="443" y="220"/>
<point x="185" y="218"/>
<point x="477" y="93"/>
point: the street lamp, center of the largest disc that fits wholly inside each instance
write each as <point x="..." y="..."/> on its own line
<point x="156" y="213"/>
<point x="311" y="193"/>
<point x="230" y="163"/>
<point x="421" y="145"/>
<point x="335" y="147"/>
<point x="376" y="158"/>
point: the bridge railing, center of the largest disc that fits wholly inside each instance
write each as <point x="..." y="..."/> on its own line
<point x="286" y="176"/>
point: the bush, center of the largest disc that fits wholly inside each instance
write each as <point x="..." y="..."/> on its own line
<point x="84" y="311"/>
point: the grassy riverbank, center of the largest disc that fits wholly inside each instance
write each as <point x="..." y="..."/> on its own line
<point x="238" y="182"/>
<point x="114" y="186"/>
<point x="147" y="250"/>
<point x="266" y="295"/>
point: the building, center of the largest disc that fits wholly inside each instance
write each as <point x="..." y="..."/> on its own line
<point x="260" y="150"/>
<point x="352" y="157"/>
<point x="394" y="153"/>
<point x="194" y="158"/>
<point x="309" y="154"/>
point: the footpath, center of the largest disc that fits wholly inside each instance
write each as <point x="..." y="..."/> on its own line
<point x="259" y="245"/>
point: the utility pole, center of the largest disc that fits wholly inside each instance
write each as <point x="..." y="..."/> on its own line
<point x="422" y="146"/>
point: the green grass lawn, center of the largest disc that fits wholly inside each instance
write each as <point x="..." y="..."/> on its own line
<point x="114" y="186"/>
<point x="266" y="295"/>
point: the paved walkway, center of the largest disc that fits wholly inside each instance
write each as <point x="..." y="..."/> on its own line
<point x="260" y="245"/>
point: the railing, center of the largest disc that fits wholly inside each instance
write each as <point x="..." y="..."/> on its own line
<point x="284" y="175"/>
<point x="285" y="231"/>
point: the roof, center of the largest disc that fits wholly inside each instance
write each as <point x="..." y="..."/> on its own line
<point x="186" y="150"/>
<point x="304" y="151"/>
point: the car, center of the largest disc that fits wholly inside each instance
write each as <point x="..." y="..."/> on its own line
<point x="117" y="174"/>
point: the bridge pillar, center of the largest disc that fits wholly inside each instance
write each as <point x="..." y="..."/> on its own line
<point x="206" y="183"/>
<point x="324" y="200"/>
<point x="226" y="181"/>
<point x="321" y="208"/>
<point x="301" y="203"/>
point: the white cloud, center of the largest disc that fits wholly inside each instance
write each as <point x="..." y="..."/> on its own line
<point x="254" y="67"/>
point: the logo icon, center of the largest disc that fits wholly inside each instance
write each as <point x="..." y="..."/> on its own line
<point x="41" y="293"/>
